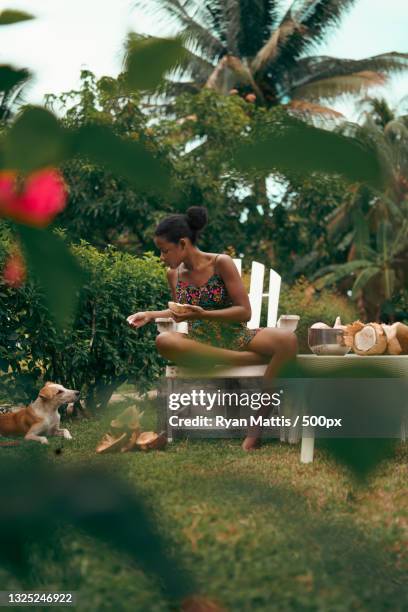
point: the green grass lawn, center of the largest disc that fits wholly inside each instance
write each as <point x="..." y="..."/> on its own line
<point x="258" y="531"/>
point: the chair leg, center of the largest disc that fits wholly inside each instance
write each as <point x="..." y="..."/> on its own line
<point x="307" y="448"/>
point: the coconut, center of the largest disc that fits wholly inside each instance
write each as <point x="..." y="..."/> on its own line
<point x="131" y="442"/>
<point x="397" y="338"/>
<point x="149" y="440"/>
<point x="320" y="325"/>
<point x="111" y="444"/>
<point x="179" y="309"/>
<point x="367" y="339"/>
<point x="402" y="336"/>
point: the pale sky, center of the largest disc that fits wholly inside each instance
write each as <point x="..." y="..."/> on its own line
<point x="72" y="34"/>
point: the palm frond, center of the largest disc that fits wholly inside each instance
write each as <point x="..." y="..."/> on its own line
<point x="307" y="109"/>
<point x="316" y="68"/>
<point x="182" y="14"/>
<point x="331" y="88"/>
<point x="12" y="83"/>
<point x="304" y="24"/>
<point x="256" y="21"/>
<point x="378" y="109"/>
<point x="316" y="17"/>
<point x="364" y="278"/>
<point x="329" y="275"/>
<point x="193" y="65"/>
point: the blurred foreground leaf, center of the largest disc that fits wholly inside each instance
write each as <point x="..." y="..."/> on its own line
<point x="148" y="59"/>
<point x="294" y="146"/>
<point x="38" y="498"/>
<point x="369" y="399"/>
<point x="8" y="17"/>
<point x="362" y="455"/>
<point x="56" y="270"/>
<point x="35" y="140"/>
<point x="132" y="160"/>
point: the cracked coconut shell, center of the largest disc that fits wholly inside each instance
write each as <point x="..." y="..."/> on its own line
<point x="369" y="339"/>
<point x="111" y="443"/>
<point x="131" y="442"/>
<point x="397" y="338"/>
<point x="179" y="309"/>
<point x="149" y="440"/>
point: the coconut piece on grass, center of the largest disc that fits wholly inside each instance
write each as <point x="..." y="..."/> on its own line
<point x="131" y="442"/>
<point x="149" y="440"/>
<point x="320" y="325"/>
<point x="111" y="443"/>
<point x="367" y="339"/>
<point x="128" y="420"/>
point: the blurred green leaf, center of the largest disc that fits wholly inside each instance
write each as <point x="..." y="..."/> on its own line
<point x="130" y="159"/>
<point x="8" y="17"/>
<point x="38" y="497"/>
<point x="35" y="140"/>
<point x="56" y="270"/>
<point x="294" y="146"/>
<point x="148" y="60"/>
<point x="361" y="456"/>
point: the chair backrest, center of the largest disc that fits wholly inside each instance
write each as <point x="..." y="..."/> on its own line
<point x="256" y="293"/>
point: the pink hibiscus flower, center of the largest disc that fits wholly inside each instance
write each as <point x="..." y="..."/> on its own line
<point x="41" y="197"/>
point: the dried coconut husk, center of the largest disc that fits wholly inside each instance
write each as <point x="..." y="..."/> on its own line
<point x="111" y="443"/>
<point x="397" y="338"/>
<point x="149" y="440"/>
<point x="128" y="420"/>
<point x="369" y="339"/>
<point x="131" y="442"/>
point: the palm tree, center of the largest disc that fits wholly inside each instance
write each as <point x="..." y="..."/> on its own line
<point x="376" y="222"/>
<point x="12" y="83"/>
<point x="250" y="47"/>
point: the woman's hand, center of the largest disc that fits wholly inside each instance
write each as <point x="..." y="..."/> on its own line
<point x="139" y="319"/>
<point x="195" y="312"/>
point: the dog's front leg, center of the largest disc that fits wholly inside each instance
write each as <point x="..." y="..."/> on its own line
<point x="32" y="434"/>
<point x="62" y="432"/>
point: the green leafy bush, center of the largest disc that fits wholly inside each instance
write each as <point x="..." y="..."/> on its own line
<point x="99" y="351"/>
<point x="312" y="306"/>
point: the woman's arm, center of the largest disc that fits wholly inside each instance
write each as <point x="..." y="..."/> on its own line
<point x="141" y="318"/>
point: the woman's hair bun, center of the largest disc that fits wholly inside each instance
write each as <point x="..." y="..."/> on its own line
<point x="197" y="217"/>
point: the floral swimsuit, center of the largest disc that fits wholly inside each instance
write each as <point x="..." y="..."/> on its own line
<point x="213" y="295"/>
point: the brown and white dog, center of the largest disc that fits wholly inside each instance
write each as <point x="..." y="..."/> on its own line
<point x="40" y="417"/>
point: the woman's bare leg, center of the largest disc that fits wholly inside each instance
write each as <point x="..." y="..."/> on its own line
<point x="269" y="344"/>
<point x="281" y="347"/>
<point x="176" y="347"/>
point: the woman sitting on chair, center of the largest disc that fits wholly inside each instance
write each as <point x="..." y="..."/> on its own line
<point x="219" y="307"/>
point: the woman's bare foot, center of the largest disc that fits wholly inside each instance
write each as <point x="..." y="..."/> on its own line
<point x="251" y="443"/>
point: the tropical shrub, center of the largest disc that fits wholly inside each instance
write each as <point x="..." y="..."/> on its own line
<point x="99" y="351"/>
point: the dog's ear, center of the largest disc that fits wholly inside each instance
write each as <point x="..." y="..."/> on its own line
<point x="47" y="392"/>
